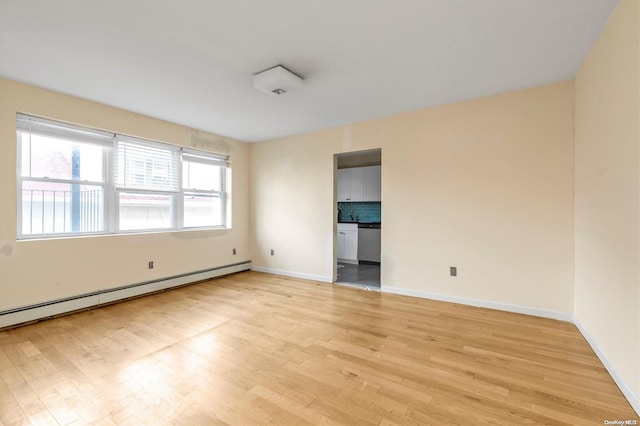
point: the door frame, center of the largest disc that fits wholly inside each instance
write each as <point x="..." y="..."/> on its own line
<point x="365" y="153"/>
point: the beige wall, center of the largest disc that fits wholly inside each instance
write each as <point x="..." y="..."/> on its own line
<point x="607" y="185"/>
<point x="484" y="185"/>
<point x="37" y="271"/>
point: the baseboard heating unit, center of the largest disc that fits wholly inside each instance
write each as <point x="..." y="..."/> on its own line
<point x="48" y="309"/>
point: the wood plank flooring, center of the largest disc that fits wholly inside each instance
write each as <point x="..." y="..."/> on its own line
<point x="254" y="348"/>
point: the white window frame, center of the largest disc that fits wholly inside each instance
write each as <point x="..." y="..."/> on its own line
<point x="110" y="189"/>
<point x="206" y="158"/>
<point x="68" y="132"/>
<point x="117" y="189"/>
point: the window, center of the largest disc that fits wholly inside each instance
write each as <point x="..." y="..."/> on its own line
<point x="62" y="178"/>
<point x="202" y="190"/>
<point x="73" y="180"/>
<point x="147" y="183"/>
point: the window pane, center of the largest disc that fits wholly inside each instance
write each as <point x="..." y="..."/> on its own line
<point x="145" y="166"/>
<point x="202" y="210"/>
<point x="201" y="176"/>
<point x="51" y="157"/>
<point x="144" y="211"/>
<point x="55" y="208"/>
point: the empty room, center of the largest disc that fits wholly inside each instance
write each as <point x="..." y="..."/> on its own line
<point x="411" y="212"/>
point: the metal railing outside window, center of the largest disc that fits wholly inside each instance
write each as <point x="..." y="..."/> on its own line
<point x="47" y="211"/>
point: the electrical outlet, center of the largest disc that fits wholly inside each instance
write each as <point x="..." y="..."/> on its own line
<point x="453" y="271"/>
<point x="273" y="252"/>
<point x="234" y="252"/>
<point x="151" y="264"/>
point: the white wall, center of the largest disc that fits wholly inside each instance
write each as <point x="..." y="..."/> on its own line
<point x="484" y="185"/>
<point x="607" y="201"/>
<point x="43" y="270"/>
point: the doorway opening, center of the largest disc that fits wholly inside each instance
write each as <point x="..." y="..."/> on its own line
<point x="358" y="206"/>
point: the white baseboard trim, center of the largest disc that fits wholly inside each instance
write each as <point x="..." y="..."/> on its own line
<point x="38" y="311"/>
<point x="527" y="310"/>
<point x="622" y="384"/>
<point x="313" y="277"/>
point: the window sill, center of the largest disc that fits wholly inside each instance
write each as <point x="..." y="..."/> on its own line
<point x="174" y="232"/>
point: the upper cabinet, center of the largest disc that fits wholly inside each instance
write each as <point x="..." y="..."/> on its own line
<point x="372" y="183"/>
<point x="351" y="184"/>
<point x="359" y="184"/>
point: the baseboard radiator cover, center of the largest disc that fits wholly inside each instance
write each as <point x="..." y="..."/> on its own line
<point x="24" y="314"/>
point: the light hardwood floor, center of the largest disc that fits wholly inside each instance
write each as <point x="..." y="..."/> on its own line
<point x="254" y="348"/>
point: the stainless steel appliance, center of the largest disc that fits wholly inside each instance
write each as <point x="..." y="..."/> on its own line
<point x="369" y="242"/>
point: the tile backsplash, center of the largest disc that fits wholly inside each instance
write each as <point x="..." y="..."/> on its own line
<point x="362" y="212"/>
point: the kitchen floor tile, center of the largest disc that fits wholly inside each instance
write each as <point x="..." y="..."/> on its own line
<point x="367" y="275"/>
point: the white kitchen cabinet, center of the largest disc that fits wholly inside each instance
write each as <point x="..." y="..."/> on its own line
<point x="351" y="245"/>
<point x="344" y="184"/>
<point x="348" y="242"/>
<point x="372" y="183"/>
<point x="359" y="184"/>
<point x="351" y="184"/>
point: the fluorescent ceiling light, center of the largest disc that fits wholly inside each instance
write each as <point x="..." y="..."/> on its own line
<point x="277" y="80"/>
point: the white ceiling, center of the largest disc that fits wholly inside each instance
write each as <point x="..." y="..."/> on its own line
<point x="191" y="62"/>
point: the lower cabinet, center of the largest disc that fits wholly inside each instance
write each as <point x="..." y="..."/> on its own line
<point x="348" y="241"/>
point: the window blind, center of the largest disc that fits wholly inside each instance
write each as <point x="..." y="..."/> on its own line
<point x="215" y="159"/>
<point x="143" y="165"/>
<point x="41" y="126"/>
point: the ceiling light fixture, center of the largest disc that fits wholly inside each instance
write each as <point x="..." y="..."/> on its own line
<point x="277" y="80"/>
